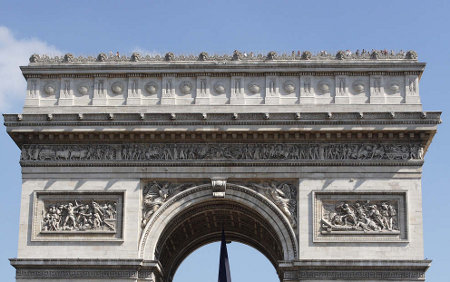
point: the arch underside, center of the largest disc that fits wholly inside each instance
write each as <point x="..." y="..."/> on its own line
<point x="202" y="223"/>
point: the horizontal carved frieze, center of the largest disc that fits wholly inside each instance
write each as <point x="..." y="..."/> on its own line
<point x="359" y="216"/>
<point x="77" y="216"/>
<point x="76" y="273"/>
<point x="169" y="152"/>
<point x="408" y="275"/>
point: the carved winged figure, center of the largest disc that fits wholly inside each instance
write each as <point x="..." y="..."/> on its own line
<point x="283" y="196"/>
<point x="155" y="195"/>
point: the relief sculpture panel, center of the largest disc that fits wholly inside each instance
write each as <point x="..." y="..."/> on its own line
<point x="77" y="216"/>
<point x="362" y="216"/>
<point x="163" y="152"/>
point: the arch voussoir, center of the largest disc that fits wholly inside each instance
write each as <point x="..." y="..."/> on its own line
<point x="194" y="217"/>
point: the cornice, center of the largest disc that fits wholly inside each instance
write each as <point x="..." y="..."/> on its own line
<point x="221" y="127"/>
<point x="266" y="118"/>
<point x="343" y="63"/>
<point x="237" y="56"/>
<point x="228" y="70"/>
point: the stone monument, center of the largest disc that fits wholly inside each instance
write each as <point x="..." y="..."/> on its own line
<point x="129" y="164"/>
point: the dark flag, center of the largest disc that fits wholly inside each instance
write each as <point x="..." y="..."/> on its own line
<point x="224" y="265"/>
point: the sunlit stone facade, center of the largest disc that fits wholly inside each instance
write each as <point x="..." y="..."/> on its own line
<point x="129" y="164"/>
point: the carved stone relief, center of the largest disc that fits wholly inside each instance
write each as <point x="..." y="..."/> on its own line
<point x="282" y="194"/>
<point x="289" y="87"/>
<point x="219" y="88"/>
<point x="236" y="56"/>
<point x="358" y="87"/>
<point x="254" y="88"/>
<point x="49" y="89"/>
<point x="185" y="87"/>
<point x="77" y="216"/>
<point x="157" y="193"/>
<point x="154" y="152"/>
<point x="375" y="216"/>
<point x="151" y="87"/>
<point x="343" y="216"/>
<point x="323" y="87"/>
<point x="117" y="88"/>
<point x="83" y="89"/>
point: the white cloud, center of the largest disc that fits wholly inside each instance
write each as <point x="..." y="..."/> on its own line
<point x="15" y="52"/>
<point x="145" y="52"/>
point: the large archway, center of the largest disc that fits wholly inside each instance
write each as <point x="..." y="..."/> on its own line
<point x="195" y="217"/>
<point x="246" y="264"/>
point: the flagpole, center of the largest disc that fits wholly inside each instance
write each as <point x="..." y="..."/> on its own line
<point x="224" y="264"/>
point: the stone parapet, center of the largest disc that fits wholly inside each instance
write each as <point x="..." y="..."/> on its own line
<point x="298" y="80"/>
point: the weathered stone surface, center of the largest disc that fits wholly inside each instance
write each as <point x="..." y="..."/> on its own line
<point x="129" y="164"/>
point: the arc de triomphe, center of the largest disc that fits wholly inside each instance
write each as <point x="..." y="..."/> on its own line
<point x="129" y="164"/>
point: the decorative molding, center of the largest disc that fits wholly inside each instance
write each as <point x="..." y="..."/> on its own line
<point x="340" y="216"/>
<point x="236" y="56"/>
<point x="87" y="269"/>
<point x="361" y="275"/>
<point x="287" y="118"/>
<point x="69" y="216"/>
<point x="61" y="273"/>
<point x="93" y="154"/>
<point x="219" y="186"/>
<point x="276" y="202"/>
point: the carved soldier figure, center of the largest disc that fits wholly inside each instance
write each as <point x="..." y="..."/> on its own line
<point x="349" y="216"/>
<point x="375" y="214"/>
<point x="155" y="197"/>
<point x="84" y="217"/>
<point x="388" y="212"/>
<point x="70" y="214"/>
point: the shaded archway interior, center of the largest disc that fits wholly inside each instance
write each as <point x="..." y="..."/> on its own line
<point x="202" y="224"/>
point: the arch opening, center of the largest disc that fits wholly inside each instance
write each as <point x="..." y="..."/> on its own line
<point x="194" y="218"/>
<point x="202" y="224"/>
<point x="246" y="263"/>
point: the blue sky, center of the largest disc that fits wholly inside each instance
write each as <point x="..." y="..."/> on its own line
<point x="90" y="27"/>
